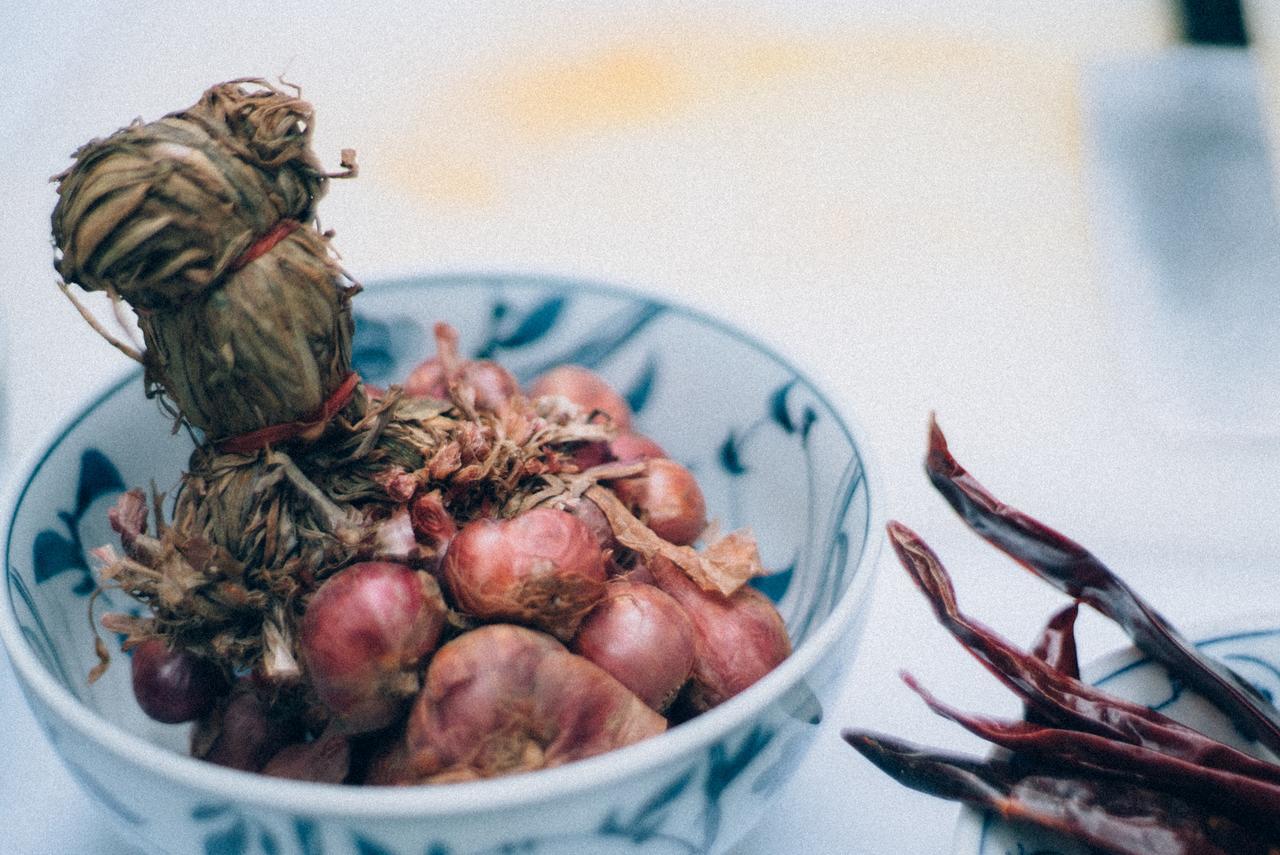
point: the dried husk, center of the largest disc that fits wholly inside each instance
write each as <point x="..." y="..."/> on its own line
<point x="724" y="566"/>
<point x="265" y="348"/>
<point x="252" y="536"/>
<point x="159" y="211"/>
<point x="163" y="215"/>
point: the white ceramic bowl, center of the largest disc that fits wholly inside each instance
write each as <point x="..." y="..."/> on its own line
<point x="768" y="449"/>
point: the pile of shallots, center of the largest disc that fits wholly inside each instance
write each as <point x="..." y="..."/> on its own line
<point x="528" y="641"/>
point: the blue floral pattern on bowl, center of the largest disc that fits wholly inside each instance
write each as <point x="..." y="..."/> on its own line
<point x="1252" y="650"/>
<point x="768" y="449"/>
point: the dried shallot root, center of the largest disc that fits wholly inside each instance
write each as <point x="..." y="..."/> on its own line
<point x="450" y="578"/>
<point x="1115" y="775"/>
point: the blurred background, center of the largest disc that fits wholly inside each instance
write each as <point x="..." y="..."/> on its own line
<point x="1023" y="214"/>
<point x="1051" y="223"/>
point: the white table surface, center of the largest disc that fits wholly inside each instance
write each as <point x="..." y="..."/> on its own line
<point x="932" y="211"/>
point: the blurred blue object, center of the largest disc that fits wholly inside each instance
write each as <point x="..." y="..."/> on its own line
<point x="1212" y="22"/>
<point x="1189" y="238"/>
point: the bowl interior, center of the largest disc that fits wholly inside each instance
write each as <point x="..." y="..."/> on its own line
<point x="768" y="450"/>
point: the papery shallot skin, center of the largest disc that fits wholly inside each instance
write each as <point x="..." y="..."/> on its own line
<point x="492" y="384"/>
<point x="641" y="636"/>
<point x="543" y="568"/>
<point x="667" y="497"/>
<point x="587" y="389"/>
<point x="503" y="699"/>
<point x="364" y="635"/>
<point x="737" y="639"/>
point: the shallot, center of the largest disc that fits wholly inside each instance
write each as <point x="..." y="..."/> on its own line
<point x="244" y="732"/>
<point x="737" y="639"/>
<point x="491" y="384"/>
<point x="364" y="634"/>
<point x="641" y="636"/>
<point x="587" y="389"/>
<point x="324" y="760"/>
<point x="502" y="699"/>
<point x="667" y="497"/>
<point x="173" y="685"/>
<point x="589" y="512"/>
<point x="543" y="567"/>
<point x="630" y="447"/>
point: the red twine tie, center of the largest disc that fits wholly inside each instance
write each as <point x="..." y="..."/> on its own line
<point x="265" y="244"/>
<point x="247" y="443"/>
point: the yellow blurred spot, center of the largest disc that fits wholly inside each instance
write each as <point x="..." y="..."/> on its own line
<point x="619" y="86"/>
<point x="765" y="60"/>
<point x="954" y="102"/>
<point x="453" y="177"/>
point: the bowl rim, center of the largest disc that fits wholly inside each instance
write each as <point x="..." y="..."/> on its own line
<point x="523" y="790"/>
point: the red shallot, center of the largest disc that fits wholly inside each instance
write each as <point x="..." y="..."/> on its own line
<point x="667" y="498"/>
<point x="640" y="635"/>
<point x="173" y="685"/>
<point x="492" y="384"/>
<point x="244" y="732"/>
<point x="736" y="639"/>
<point x="502" y="699"/>
<point x="324" y="760"/>
<point x="586" y="389"/>
<point x="364" y="634"/>
<point x="543" y="567"/>
<point x="630" y="447"/>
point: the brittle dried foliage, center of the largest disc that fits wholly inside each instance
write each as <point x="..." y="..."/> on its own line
<point x="204" y="221"/>
<point x="166" y="215"/>
<point x="252" y="536"/>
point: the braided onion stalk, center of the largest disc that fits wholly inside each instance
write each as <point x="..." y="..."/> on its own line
<point x="327" y="543"/>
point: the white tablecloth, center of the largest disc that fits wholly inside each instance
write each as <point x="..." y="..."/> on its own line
<point x="936" y="212"/>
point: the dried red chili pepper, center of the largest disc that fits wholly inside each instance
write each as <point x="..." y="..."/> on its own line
<point x="1056" y="646"/>
<point x="1112" y="774"/>
<point x="1112" y="816"/>
<point x="1073" y="569"/>
<point x="1058" y="699"/>
<point x="1252" y="801"/>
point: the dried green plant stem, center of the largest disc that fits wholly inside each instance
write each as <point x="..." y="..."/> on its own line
<point x="183" y="218"/>
<point x="266" y="348"/>
<point x="159" y="211"/>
